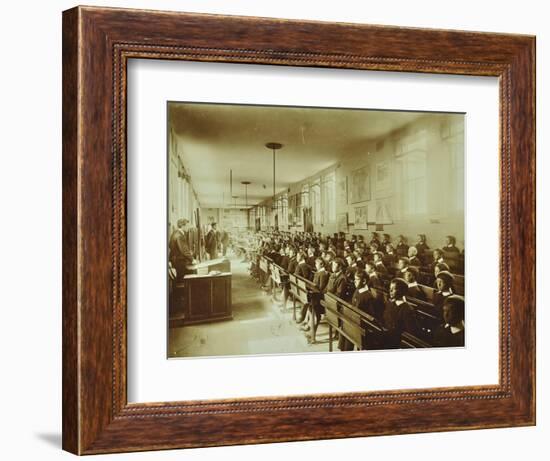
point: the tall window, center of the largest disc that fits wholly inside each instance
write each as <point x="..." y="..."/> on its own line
<point x="457" y="175"/>
<point x="414" y="183"/>
<point x="315" y="200"/>
<point x="284" y="210"/>
<point x="329" y="197"/>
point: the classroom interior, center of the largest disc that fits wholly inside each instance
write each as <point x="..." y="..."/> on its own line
<point x="259" y="186"/>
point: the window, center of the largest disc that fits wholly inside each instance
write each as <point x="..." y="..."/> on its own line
<point x="414" y="183"/>
<point x="315" y="200"/>
<point x="329" y="197"/>
<point x="457" y="175"/>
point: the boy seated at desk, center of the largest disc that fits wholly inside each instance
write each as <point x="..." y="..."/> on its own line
<point x="445" y="288"/>
<point x="451" y="332"/>
<point x="398" y="315"/>
<point x="302" y="269"/>
<point x="411" y="277"/>
<point x="363" y="299"/>
<point x="378" y="259"/>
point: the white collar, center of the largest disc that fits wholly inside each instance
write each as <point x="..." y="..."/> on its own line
<point x="362" y="290"/>
<point x="413" y="284"/>
<point x="378" y="263"/>
<point x="321" y="270"/>
<point x="447" y="293"/>
<point x="441" y="260"/>
<point x="398" y="302"/>
<point x="454" y="330"/>
<point x="404" y="270"/>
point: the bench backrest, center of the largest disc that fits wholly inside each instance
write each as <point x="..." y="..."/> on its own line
<point x="357" y="326"/>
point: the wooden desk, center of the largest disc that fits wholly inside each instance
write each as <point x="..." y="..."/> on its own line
<point x="219" y="264"/>
<point x="204" y="298"/>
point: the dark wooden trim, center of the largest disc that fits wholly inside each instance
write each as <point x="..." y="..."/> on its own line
<point x="97" y="42"/>
<point x="70" y="350"/>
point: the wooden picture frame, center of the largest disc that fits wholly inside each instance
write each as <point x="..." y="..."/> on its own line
<point x="97" y="43"/>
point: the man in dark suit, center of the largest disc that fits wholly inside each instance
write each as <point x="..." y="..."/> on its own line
<point x="211" y="241"/>
<point x="180" y="255"/>
<point x="224" y="238"/>
<point x="398" y="315"/>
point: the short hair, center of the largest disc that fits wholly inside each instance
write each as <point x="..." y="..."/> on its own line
<point x="413" y="270"/>
<point x="447" y="277"/>
<point x="369" y="267"/>
<point x="387" y="236"/>
<point x="456" y="303"/>
<point x="361" y="275"/>
<point x="442" y="267"/>
<point x="360" y="264"/>
<point x="401" y="286"/>
<point x="452" y="239"/>
<point x="182" y="222"/>
<point x="320" y="260"/>
<point x="340" y="262"/>
<point x="438" y="250"/>
<point x="404" y="259"/>
<point x="379" y="254"/>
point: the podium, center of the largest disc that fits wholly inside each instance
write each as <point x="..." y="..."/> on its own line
<point x="202" y="299"/>
<point x="219" y="264"/>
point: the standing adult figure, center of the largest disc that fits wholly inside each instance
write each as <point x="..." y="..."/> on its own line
<point x="211" y="241"/>
<point x="180" y="255"/>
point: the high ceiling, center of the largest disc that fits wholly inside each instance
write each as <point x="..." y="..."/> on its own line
<point x="217" y="138"/>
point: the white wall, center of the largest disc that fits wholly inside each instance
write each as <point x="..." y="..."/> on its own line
<point x="30" y="187"/>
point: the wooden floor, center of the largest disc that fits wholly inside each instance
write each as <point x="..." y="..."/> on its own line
<point x="258" y="326"/>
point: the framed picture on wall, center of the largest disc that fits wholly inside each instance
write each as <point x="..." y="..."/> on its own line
<point x="361" y="218"/>
<point x="149" y="94"/>
<point x="342" y="191"/>
<point x="360" y="185"/>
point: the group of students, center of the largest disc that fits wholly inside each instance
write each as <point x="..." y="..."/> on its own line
<point x="377" y="277"/>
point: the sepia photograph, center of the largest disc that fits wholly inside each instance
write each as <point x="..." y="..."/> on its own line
<point x="313" y="229"/>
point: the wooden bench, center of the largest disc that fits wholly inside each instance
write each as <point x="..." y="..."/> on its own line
<point x="427" y="320"/>
<point x="360" y="328"/>
<point x="304" y="292"/>
<point x="279" y="278"/>
<point x="264" y="269"/>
